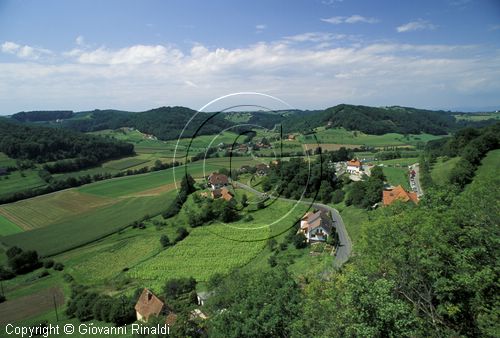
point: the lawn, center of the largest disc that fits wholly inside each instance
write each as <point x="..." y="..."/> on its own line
<point x="397" y="176"/>
<point x="353" y="219"/>
<point x="440" y="172"/>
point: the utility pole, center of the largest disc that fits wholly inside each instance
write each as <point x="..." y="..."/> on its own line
<point x="55" y="306"/>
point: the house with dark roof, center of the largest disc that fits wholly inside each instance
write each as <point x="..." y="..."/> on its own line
<point x="217" y="181"/>
<point x="261" y="169"/>
<point x="398" y="194"/>
<point x="316" y="226"/>
<point x="3" y="171"/>
<point x="148" y="305"/>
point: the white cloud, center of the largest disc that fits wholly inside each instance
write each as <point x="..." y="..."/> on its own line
<point x="141" y="76"/>
<point x="260" y="28"/>
<point x="24" y="52"/>
<point x="80" y="40"/>
<point x="10" y="47"/>
<point x="336" y="20"/>
<point x="315" y="37"/>
<point x="137" y="54"/>
<point x="417" y="25"/>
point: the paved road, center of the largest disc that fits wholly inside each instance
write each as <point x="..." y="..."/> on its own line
<point x="418" y="187"/>
<point x="345" y="246"/>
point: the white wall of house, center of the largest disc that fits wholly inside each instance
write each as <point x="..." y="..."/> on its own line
<point x="353" y="169"/>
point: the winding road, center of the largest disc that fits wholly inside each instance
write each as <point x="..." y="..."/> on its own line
<point x="344" y="248"/>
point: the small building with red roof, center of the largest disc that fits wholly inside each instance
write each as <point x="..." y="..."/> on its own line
<point x="399" y="194"/>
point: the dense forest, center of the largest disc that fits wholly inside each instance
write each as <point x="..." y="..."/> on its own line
<point x="43" y="144"/>
<point x="377" y="121"/>
<point x="165" y="123"/>
<point x="42" y="115"/>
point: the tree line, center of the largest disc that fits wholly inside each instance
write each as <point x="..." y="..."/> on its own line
<point x="43" y="144"/>
<point x="471" y="144"/>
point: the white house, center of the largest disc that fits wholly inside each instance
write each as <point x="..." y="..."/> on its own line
<point x="354" y="166"/>
<point x="316" y="226"/>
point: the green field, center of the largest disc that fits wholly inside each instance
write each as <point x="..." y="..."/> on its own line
<point x="6" y="161"/>
<point x="440" y="172"/>
<point x="7" y="227"/>
<point x="342" y="136"/>
<point x="397" y="176"/>
<point x="478" y="116"/>
<point x="353" y="219"/>
<point x="231" y="245"/>
<point x="89" y="226"/>
<point x="489" y="164"/>
<point x="398" y="162"/>
<point x="20" y="181"/>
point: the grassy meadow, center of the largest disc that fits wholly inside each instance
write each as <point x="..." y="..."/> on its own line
<point x="441" y="169"/>
<point x="345" y="137"/>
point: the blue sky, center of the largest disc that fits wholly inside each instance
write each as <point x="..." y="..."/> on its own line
<point x="138" y="55"/>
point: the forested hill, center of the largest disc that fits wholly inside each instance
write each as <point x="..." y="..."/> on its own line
<point x="377" y="121"/>
<point x="166" y="123"/>
<point x="43" y="144"/>
<point x="42" y="115"/>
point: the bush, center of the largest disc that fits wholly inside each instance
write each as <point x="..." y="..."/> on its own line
<point x="58" y="266"/>
<point x="43" y="274"/>
<point x="337" y="196"/>
<point x="181" y="234"/>
<point x="48" y="263"/>
<point x="174" y="288"/>
<point x="6" y="274"/>
<point x="272" y="261"/>
<point x="68" y="278"/>
<point x="300" y="241"/>
<point x="22" y="261"/>
<point x="165" y="241"/>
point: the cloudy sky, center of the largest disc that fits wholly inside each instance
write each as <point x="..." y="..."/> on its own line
<point x="137" y="55"/>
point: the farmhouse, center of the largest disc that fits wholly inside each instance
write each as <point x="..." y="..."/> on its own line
<point x="217" y="181"/>
<point x="316" y="226"/>
<point x="354" y="166"/>
<point x="148" y="305"/>
<point x="399" y="194"/>
<point x="261" y="169"/>
<point x="222" y="193"/>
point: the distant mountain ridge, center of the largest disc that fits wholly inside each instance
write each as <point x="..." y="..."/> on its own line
<point x="166" y="123"/>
